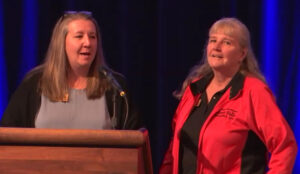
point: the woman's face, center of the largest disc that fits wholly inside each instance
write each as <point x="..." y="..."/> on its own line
<point x="81" y="43"/>
<point x="224" y="53"/>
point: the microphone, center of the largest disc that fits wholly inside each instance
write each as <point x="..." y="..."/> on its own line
<point x="107" y="73"/>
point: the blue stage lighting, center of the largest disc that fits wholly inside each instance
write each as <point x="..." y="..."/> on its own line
<point x="3" y="78"/>
<point x="29" y="40"/>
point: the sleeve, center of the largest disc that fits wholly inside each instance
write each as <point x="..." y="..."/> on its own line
<point x="24" y="103"/>
<point x="167" y="164"/>
<point x="270" y="125"/>
<point x="13" y="109"/>
<point x="12" y="116"/>
<point x="133" y="120"/>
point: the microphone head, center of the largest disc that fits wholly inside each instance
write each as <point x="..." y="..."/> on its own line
<point x="108" y="75"/>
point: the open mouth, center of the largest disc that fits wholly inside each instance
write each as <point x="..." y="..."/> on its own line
<point x="85" y="54"/>
<point x="217" y="56"/>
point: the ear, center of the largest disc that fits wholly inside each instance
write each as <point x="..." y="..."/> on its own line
<point x="243" y="54"/>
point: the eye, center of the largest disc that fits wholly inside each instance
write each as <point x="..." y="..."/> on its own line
<point x="227" y="42"/>
<point x="78" y="36"/>
<point x="92" y="36"/>
<point x="212" y="40"/>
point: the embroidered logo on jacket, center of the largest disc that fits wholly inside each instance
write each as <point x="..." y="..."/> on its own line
<point x="227" y="113"/>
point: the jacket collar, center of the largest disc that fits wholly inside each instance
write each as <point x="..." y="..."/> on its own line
<point x="236" y="84"/>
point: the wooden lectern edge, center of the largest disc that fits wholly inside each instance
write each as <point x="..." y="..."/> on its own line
<point x="147" y="152"/>
<point x="75" y="137"/>
<point x="137" y="139"/>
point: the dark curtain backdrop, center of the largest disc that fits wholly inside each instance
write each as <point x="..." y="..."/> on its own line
<point x="154" y="43"/>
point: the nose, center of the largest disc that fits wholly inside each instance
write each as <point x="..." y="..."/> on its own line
<point x="86" y="41"/>
<point x="217" y="46"/>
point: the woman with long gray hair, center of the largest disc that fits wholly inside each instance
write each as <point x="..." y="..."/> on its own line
<point x="227" y="120"/>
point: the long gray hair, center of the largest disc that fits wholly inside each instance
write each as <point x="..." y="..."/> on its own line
<point x="234" y="28"/>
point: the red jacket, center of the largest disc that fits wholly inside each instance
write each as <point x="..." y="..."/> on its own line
<point x="223" y="137"/>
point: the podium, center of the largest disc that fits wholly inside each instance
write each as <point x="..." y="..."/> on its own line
<point x="70" y="151"/>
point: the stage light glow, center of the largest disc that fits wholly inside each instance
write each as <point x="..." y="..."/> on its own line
<point x="29" y="37"/>
<point x="3" y="77"/>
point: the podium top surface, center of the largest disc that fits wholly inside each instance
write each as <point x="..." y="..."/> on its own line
<point x="76" y="137"/>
